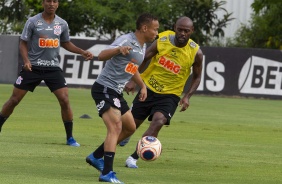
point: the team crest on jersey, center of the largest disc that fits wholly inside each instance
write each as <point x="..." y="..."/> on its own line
<point x="117" y="102"/>
<point x="57" y="30"/>
<point x="19" y="80"/>
<point x="173" y="53"/>
<point x="193" y="44"/>
<point x="164" y="38"/>
<point x="39" y="23"/>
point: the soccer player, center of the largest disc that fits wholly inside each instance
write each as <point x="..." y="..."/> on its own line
<point x="123" y="58"/>
<point x="172" y="56"/>
<point x="40" y="43"/>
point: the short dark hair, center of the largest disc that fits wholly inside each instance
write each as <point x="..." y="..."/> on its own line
<point x="145" y="18"/>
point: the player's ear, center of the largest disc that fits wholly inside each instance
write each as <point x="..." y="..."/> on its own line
<point x="144" y="28"/>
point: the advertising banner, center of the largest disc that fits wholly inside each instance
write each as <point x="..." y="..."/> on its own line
<point x="226" y="71"/>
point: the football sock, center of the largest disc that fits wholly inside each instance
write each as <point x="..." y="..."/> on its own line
<point x="135" y="155"/>
<point x="108" y="162"/>
<point x="2" y="121"/>
<point x="99" y="152"/>
<point x="68" y="127"/>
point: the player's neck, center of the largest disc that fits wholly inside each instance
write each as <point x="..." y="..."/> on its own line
<point x="139" y="37"/>
<point x="48" y="17"/>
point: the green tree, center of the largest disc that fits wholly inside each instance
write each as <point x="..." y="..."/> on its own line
<point x="105" y="19"/>
<point x="13" y="14"/>
<point x="203" y="13"/>
<point x="264" y="29"/>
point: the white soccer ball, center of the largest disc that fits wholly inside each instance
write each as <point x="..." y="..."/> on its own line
<point x="149" y="148"/>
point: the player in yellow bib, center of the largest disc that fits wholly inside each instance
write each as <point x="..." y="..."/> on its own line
<point x="170" y="68"/>
<point x="173" y="55"/>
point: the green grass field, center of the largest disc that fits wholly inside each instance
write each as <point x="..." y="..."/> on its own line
<point x="216" y="141"/>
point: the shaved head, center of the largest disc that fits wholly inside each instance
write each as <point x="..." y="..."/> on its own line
<point x="184" y="21"/>
<point x="183" y="29"/>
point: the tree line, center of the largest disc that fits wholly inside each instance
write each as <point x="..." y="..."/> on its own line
<point x="106" y="19"/>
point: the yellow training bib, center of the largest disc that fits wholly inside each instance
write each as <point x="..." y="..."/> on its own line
<point x="169" y="70"/>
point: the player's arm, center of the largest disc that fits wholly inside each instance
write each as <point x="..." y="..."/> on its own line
<point x="196" y="79"/>
<point x="111" y="52"/>
<point x="150" y="52"/>
<point x="24" y="54"/>
<point x="143" y="89"/>
<point x="69" y="46"/>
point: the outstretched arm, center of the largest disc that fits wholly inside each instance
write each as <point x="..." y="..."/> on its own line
<point x="197" y="73"/>
<point x="72" y="48"/>
<point x="109" y="53"/>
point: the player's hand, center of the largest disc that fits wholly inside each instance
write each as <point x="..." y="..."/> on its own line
<point x="130" y="87"/>
<point x="143" y="94"/>
<point x="27" y="66"/>
<point x="87" y="55"/>
<point x="184" y="104"/>
<point x="124" y="50"/>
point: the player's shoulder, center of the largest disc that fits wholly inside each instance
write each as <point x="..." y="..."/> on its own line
<point x="35" y="18"/>
<point x="163" y="36"/>
<point x="127" y="36"/>
<point x="59" y="20"/>
<point x="192" y="44"/>
<point x="128" y="39"/>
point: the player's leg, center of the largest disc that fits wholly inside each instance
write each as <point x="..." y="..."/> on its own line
<point x="108" y="104"/>
<point x="67" y="114"/>
<point x="63" y="98"/>
<point x="57" y="84"/>
<point x="128" y="126"/>
<point x="9" y="106"/>
<point x="112" y="120"/>
<point x="26" y="81"/>
<point x="139" y="110"/>
<point x="162" y="111"/>
<point x="157" y="123"/>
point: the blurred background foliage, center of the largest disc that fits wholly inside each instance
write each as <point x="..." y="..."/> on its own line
<point x="106" y="19"/>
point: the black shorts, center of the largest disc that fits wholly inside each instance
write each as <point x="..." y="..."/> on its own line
<point x="164" y="103"/>
<point x="106" y="97"/>
<point x="53" y="78"/>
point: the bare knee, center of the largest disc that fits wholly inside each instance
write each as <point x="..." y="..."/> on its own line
<point x="130" y="131"/>
<point x="63" y="98"/>
<point x="155" y="126"/>
<point x="64" y="102"/>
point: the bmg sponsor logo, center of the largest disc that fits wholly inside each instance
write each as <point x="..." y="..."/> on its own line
<point x="261" y="76"/>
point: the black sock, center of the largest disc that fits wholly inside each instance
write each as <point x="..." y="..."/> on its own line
<point x="2" y="121"/>
<point x="68" y="128"/>
<point x="135" y="155"/>
<point x="108" y="162"/>
<point x="99" y="152"/>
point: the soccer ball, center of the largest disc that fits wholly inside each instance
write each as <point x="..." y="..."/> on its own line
<point x="149" y="148"/>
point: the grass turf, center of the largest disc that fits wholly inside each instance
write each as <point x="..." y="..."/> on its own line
<point x="217" y="140"/>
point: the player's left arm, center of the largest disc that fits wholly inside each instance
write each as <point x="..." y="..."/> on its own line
<point x="69" y="46"/>
<point x="138" y="80"/>
<point x="196" y="79"/>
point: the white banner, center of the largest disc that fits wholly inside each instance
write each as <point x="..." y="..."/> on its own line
<point x="261" y="76"/>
